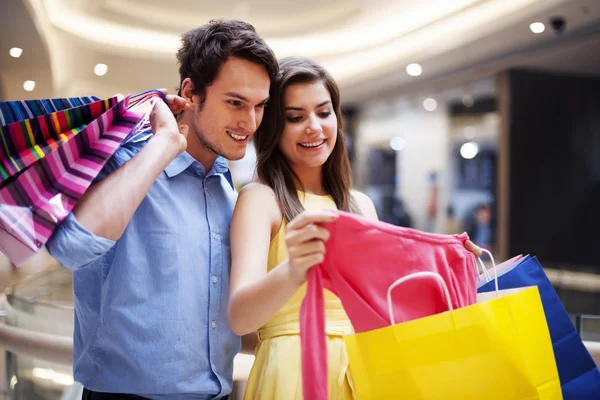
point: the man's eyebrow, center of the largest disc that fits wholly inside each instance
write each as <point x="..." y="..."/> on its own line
<point x="243" y="98"/>
<point x="237" y="96"/>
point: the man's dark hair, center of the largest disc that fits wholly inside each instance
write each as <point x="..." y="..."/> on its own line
<point x="206" y="48"/>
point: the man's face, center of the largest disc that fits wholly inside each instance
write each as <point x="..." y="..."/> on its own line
<point x="233" y="108"/>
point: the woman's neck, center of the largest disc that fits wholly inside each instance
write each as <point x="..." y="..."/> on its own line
<point x="310" y="180"/>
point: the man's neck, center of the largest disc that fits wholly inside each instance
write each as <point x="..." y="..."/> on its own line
<point x="200" y="153"/>
<point x="195" y="148"/>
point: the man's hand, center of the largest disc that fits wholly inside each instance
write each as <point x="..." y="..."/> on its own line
<point x="164" y="125"/>
<point x="177" y="104"/>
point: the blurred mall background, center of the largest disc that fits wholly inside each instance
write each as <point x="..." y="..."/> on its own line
<point x="465" y="115"/>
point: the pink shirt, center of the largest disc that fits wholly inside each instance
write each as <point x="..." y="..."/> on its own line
<point x="363" y="258"/>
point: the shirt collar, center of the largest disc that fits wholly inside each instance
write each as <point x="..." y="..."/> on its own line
<point x="180" y="163"/>
<point x="183" y="161"/>
<point x="220" y="166"/>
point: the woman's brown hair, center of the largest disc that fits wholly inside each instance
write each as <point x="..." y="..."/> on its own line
<point x="273" y="169"/>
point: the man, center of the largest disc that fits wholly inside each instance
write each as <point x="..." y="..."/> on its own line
<point x="479" y="226"/>
<point x="149" y="243"/>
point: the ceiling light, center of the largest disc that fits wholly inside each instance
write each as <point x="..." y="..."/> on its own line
<point x="537" y="27"/>
<point x="430" y="104"/>
<point x="468" y="101"/>
<point x="29" y="85"/>
<point x="469" y="150"/>
<point x="15" y="52"/>
<point x="397" y="143"/>
<point x="414" y="69"/>
<point x="101" y="69"/>
<point x="42" y="373"/>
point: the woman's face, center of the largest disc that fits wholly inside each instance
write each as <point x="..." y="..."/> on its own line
<point x="310" y="129"/>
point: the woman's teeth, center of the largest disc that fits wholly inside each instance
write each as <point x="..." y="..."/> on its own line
<point x="312" y="144"/>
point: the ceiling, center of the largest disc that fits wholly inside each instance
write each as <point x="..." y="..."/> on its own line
<point x="365" y="44"/>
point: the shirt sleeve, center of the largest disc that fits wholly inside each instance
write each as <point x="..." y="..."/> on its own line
<point x="73" y="245"/>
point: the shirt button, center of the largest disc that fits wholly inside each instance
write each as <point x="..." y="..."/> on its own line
<point x="214" y="235"/>
<point x="214" y="279"/>
<point x="213" y="324"/>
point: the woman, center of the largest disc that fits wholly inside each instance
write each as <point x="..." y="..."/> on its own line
<point x="304" y="171"/>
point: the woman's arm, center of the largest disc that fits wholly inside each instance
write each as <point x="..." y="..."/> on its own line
<point x="255" y="294"/>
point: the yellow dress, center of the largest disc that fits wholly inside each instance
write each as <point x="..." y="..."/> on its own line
<point x="277" y="372"/>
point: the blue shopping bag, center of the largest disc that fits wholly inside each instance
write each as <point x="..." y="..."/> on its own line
<point x="579" y="375"/>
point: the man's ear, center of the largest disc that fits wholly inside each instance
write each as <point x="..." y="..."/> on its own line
<point x="187" y="92"/>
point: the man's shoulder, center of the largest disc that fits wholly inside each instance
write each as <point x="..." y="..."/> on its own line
<point x="130" y="148"/>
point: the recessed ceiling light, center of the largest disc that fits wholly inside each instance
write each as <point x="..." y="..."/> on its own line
<point x="15" y="52"/>
<point x="29" y="85"/>
<point x="100" y="69"/>
<point x="414" y="69"/>
<point x="469" y="150"/>
<point x="468" y="101"/>
<point x="430" y="104"/>
<point x="537" y="27"/>
<point x="397" y="143"/>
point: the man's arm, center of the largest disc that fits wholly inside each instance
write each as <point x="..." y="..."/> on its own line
<point x="102" y="214"/>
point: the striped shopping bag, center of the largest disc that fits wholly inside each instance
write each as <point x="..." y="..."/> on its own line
<point x="38" y="127"/>
<point x="20" y="110"/>
<point x="30" y="129"/>
<point x="47" y="187"/>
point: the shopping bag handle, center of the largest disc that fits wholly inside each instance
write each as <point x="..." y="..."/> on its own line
<point x="421" y="274"/>
<point x="493" y="265"/>
<point x="483" y="270"/>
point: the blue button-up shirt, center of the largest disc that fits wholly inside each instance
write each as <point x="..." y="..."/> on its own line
<point x="151" y="308"/>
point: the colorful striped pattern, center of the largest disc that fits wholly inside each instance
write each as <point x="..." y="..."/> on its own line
<point x="139" y="102"/>
<point x="24" y="142"/>
<point x="20" y="110"/>
<point x="44" y="194"/>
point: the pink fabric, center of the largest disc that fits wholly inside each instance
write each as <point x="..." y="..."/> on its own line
<point x="363" y="258"/>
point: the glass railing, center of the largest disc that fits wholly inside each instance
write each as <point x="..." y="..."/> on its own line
<point x="41" y="312"/>
<point x="51" y="288"/>
<point x="588" y="326"/>
<point x="38" y="330"/>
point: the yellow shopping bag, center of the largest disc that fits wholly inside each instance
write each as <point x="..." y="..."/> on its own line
<point x="498" y="349"/>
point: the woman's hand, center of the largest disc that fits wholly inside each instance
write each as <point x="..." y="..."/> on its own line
<point x="305" y="241"/>
<point x="473" y="248"/>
